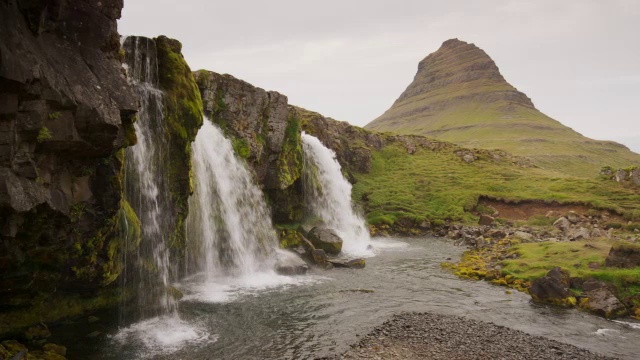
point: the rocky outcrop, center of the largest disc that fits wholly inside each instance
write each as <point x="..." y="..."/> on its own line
<point x="265" y="131"/>
<point x="65" y="111"/>
<point x="623" y="255"/>
<point x="630" y="175"/>
<point x="183" y="116"/>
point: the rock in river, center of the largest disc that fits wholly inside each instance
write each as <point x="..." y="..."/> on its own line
<point x="325" y="239"/>
<point x="288" y="263"/>
<point x="553" y="288"/>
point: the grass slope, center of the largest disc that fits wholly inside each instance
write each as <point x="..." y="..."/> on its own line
<point x="439" y="186"/>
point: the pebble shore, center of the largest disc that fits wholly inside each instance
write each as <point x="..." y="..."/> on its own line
<point x="431" y="336"/>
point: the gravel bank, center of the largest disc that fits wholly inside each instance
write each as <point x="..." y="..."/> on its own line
<point x="430" y="336"/>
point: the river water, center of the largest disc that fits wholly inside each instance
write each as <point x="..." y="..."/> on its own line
<point x="277" y="317"/>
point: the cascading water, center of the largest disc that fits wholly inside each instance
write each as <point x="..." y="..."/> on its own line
<point x="145" y="188"/>
<point x="328" y="196"/>
<point x="228" y="217"/>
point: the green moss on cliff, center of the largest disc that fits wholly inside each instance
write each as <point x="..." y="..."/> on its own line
<point x="290" y="158"/>
<point x="183" y="116"/>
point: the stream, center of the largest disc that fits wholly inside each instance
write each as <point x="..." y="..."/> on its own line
<point x="270" y="316"/>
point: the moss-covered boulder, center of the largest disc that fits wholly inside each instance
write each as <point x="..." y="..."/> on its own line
<point x="553" y="289"/>
<point x="603" y="302"/>
<point x="325" y="239"/>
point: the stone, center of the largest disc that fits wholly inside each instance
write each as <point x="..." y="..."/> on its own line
<point x="325" y="239"/>
<point x="288" y="263"/>
<point x="562" y="224"/>
<point x="553" y="288"/>
<point x="623" y="255"/>
<point x="524" y="236"/>
<point x="603" y="302"/>
<point x="573" y="217"/>
<point x="578" y="234"/>
<point x="349" y="264"/>
<point x="497" y="234"/>
<point x="319" y="256"/>
<point x="485" y="220"/>
<point x="37" y="332"/>
<point x="592" y="284"/>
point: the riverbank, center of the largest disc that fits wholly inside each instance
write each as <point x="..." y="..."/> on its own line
<point x="431" y="336"/>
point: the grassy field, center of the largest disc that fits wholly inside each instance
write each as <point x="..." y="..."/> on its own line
<point x="440" y="186"/>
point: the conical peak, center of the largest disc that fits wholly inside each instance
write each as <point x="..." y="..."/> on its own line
<point x="461" y="68"/>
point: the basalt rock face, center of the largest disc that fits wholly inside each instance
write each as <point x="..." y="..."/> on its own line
<point x="459" y="95"/>
<point x="66" y="110"/>
<point x="265" y="131"/>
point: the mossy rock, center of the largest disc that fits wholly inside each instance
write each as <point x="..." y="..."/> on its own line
<point x="325" y="239"/>
<point x="289" y="238"/>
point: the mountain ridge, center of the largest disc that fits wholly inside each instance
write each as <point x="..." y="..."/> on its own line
<point x="458" y="94"/>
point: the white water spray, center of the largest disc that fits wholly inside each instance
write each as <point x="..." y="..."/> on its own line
<point x="329" y="197"/>
<point x="228" y="217"/>
<point x="145" y="188"/>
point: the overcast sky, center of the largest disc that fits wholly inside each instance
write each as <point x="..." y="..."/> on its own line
<point x="579" y="61"/>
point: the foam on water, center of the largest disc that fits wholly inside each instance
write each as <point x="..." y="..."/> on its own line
<point x="162" y="335"/>
<point x="231" y="288"/>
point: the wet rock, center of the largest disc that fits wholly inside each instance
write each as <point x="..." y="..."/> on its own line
<point x="288" y="263"/>
<point x="485" y="220"/>
<point x="553" y="288"/>
<point x="623" y="255"/>
<point x="174" y="293"/>
<point x="319" y="256"/>
<point x="350" y="264"/>
<point x="92" y="319"/>
<point x="325" y="239"/>
<point x="55" y="348"/>
<point x="603" y="302"/>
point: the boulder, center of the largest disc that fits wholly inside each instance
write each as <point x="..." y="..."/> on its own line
<point x="288" y="263"/>
<point x="623" y="255"/>
<point x="325" y="239"/>
<point x="553" y="288"/>
<point x="562" y="224"/>
<point x="485" y="220"/>
<point x="319" y="256"/>
<point x="524" y="236"/>
<point x="580" y="233"/>
<point x="603" y="302"/>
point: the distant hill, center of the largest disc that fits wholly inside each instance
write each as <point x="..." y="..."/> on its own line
<point x="459" y="95"/>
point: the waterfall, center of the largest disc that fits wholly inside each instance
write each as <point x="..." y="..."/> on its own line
<point x="328" y="197"/>
<point x="229" y="223"/>
<point x="145" y="187"/>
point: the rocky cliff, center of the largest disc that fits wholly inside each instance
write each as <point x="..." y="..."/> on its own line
<point x="264" y="131"/>
<point x="459" y="95"/>
<point x="66" y="110"/>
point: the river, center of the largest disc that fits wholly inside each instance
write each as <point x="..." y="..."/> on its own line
<point x="277" y="317"/>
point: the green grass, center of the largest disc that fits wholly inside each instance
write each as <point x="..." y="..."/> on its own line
<point x="536" y="259"/>
<point x="440" y="186"/>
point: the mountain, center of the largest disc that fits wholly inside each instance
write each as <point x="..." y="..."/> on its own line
<point x="459" y="95"/>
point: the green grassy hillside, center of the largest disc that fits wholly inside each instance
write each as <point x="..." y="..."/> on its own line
<point x="438" y="186"/>
<point x="459" y="95"/>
